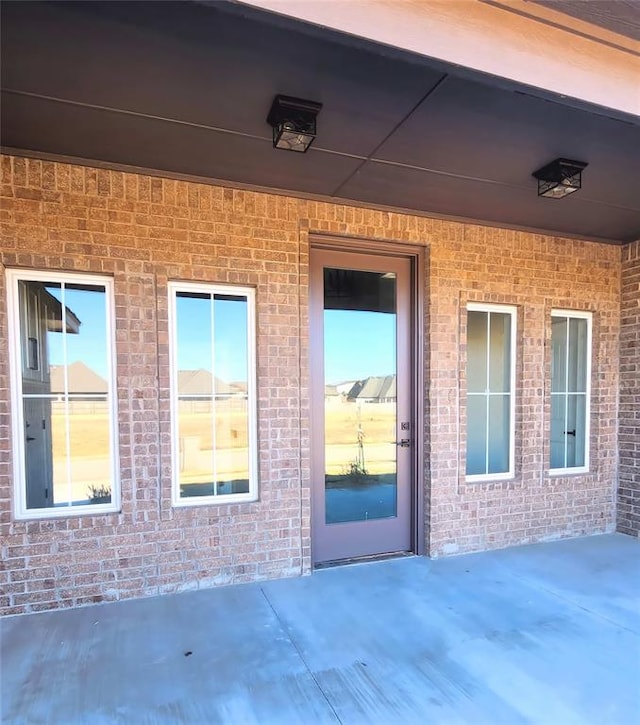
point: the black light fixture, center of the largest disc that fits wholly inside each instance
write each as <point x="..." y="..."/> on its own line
<point x="294" y="123"/>
<point x="559" y="178"/>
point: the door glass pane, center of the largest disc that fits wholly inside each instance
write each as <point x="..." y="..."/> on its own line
<point x="499" y="434"/>
<point x="360" y="395"/>
<point x="476" y="434"/>
<point x="477" y="351"/>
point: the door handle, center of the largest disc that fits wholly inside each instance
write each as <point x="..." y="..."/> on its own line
<point x="30" y="438"/>
<point x="570" y="432"/>
<point x="404" y="443"/>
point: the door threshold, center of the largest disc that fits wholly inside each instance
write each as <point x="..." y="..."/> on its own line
<point x="362" y="559"/>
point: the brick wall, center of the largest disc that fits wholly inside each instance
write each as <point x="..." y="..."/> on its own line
<point x="537" y="274"/>
<point x="145" y="231"/>
<point x="629" y="486"/>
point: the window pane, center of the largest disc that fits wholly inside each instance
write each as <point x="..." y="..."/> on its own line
<point x="477" y="351"/>
<point x="558" y="427"/>
<point x="213" y="418"/>
<point x="194" y="342"/>
<point x="558" y="354"/>
<point x="232" y="444"/>
<point x="195" y="447"/>
<point x="39" y="461"/>
<point x="577" y="355"/>
<point x="476" y="434"/>
<point x="85" y="320"/>
<point x="35" y="305"/>
<point x="569" y="421"/>
<point x="230" y="344"/>
<point x="499" y="352"/>
<point x="499" y="415"/>
<point x="232" y="417"/>
<point x="576" y="428"/>
<point x="65" y="353"/>
<point x="90" y="455"/>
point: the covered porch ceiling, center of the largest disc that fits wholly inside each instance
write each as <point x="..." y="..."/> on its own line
<point x="184" y="88"/>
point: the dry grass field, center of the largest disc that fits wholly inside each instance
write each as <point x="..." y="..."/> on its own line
<point x="89" y="442"/>
<point x="377" y="423"/>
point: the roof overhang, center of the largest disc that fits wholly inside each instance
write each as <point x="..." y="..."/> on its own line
<point x="184" y="89"/>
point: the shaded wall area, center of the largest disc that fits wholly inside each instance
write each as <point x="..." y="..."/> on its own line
<point x="629" y="486"/>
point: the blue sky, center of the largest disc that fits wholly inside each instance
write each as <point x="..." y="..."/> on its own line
<point x="194" y="336"/>
<point x="358" y="344"/>
<point x="90" y="344"/>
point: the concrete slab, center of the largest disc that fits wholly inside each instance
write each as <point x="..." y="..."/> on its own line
<point x="540" y="634"/>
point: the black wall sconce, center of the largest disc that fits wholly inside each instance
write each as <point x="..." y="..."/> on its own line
<point x="294" y="123"/>
<point x="559" y="178"/>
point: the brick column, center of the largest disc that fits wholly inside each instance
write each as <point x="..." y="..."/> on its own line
<point x="629" y="484"/>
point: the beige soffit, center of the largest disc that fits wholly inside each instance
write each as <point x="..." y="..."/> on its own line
<point x="511" y="39"/>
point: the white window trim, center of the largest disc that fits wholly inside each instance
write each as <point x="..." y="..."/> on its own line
<point x="212" y="289"/>
<point x="20" y="510"/>
<point x="511" y="310"/>
<point x="588" y="316"/>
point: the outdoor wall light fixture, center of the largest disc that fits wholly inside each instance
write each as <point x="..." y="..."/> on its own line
<point x="294" y="123"/>
<point x="559" y="178"/>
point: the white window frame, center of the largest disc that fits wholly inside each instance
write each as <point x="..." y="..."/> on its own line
<point x="588" y="316"/>
<point x="20" y="510"/>
<point x="215" y="499"/>
<point x="511" y="310"/>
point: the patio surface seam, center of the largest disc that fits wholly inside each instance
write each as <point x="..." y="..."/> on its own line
<point x="574" y="603"/>
<point x="285" y="629"/>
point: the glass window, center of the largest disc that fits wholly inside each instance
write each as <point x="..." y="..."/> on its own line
<point x="213" y="394"/>
<point x="570" y="375"/>
<point x="490" y="390"/>
<point x="62" y="373"/>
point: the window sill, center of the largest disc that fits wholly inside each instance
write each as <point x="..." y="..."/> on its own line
<point x="214" y="500"/>
<point x="560" y="472"/>
<point x="65" y="512"/>
<point x="490" y="478"/>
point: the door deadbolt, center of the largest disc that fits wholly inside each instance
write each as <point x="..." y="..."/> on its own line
<point x="404" y="443"/>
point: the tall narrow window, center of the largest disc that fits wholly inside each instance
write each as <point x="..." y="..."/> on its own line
<point x="570" y="390"/>
<point x="213" y="394"/>
<point x="490" y="390"/>
<point x="61" y="341"/>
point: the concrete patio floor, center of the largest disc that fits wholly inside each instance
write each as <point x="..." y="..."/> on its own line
<point x="548" y="633"/>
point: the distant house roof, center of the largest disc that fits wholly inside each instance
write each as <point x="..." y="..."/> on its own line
<point x="200" y="382"/>
<point x="80" y="379"/>
<point x="54" y="320"/>
<point x="374" y="388"/>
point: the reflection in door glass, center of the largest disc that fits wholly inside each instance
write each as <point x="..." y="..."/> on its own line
<point x="360" y="395"/>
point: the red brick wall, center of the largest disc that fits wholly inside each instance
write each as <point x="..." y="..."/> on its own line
<point x="536" y="274"/>
<point x="629" y="486"/>
<point x="145" y="231"/>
